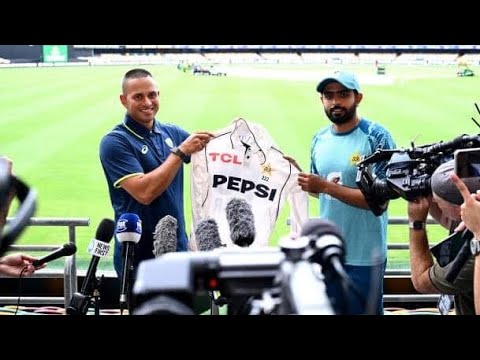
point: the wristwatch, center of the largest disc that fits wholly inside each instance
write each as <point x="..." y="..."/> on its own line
<point x="416" y="225"/>
<point x="176" y="150"/>
<point x="475" y="247"/>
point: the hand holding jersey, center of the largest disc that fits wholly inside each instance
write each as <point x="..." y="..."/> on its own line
<point x="195" y="142"/>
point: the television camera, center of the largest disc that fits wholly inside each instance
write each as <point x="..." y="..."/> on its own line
<point x="408" y="171"/>
<point x="276" y="281"/>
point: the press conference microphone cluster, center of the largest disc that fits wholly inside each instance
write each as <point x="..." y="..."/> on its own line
<point x="165" y="236"/>
<point x="98" y="248"/>
<point x="129" y="232"/>
<point x="66" y="250"/>
<point x="241" y="221"/>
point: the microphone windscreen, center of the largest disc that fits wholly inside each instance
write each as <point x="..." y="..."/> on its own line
<point x="165" y="236"/>
<point x="105" y="230"/>
<point x="241" y="221"/>
<point x="207" y="235"/>
<point x="129" y="228"/>
<point x="320" y="227"/>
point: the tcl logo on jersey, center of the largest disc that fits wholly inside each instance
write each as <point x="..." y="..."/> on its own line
<point x="242" y="185"/>
<point x="225" y="157"/>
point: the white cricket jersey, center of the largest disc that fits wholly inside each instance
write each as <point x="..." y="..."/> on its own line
<point x="243" y="162"/>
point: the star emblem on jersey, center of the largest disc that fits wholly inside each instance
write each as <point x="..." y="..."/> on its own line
<point x="144" y="149"/>
<point x="267" y="169"/>
<point x="355" y="158"/>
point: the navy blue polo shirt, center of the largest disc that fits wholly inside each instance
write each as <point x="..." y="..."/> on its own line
<point x="131" y="149"/>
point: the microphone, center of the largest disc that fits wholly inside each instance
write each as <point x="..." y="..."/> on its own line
<point x="462" y="257"/>
<point x="327" y="241"/>
<point x="98" y="247"/>
<point x="207" y="235"/>
<point x="165" y="236"/>
<point x="129" y="232"/>
<point x="66" y="250"/>
<point x="241" y="221"/>
<point x="327" y="250"/>
<point x="303" y="291"/>
<point x="208" y="238"/>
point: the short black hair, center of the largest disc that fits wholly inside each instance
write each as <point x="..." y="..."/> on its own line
<point x="135" y="74"/>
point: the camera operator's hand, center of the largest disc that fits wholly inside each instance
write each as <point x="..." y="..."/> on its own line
<point x="418" y="208"/>
<point x="470" y="209"/>
<point x="460" y="227"/>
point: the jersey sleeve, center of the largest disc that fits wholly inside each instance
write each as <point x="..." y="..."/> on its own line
<point x="298" y="201"/>
<point x="199" y="185"/>
<point x="118" y="159"/>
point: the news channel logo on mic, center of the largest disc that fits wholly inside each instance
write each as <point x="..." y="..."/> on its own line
<point x="98" y="248"/>
<point x="126" y="225"/>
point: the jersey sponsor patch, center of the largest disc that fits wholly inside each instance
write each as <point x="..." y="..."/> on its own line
<point x="225" y="158"/>
<point x="242" y="185"/>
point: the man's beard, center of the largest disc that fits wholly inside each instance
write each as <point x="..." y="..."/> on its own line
<point x="348" y="115"/>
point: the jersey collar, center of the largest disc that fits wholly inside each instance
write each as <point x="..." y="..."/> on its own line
<point x="139" y="130"/>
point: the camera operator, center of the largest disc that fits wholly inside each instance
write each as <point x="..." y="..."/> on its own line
<point x="14" y="264"/>
<point x="470" y="213"/>
<point x="429" y="276"/>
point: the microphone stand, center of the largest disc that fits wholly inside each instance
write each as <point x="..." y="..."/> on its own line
<point x="126" y="288"/>
<point x="96" y="293"/>
<point x="80" y="303"/>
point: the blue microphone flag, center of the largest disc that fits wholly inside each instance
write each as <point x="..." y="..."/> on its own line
<point x="129" y="228"/>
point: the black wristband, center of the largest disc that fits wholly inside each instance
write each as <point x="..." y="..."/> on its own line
<point x="176" y="150"/>
<point x="417" y="225"/>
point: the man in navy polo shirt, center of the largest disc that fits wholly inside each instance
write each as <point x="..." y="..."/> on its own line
<point x="143" y="164"/>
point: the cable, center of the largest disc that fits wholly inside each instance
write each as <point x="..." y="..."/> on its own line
<point x="20" y="288"/>
<point x="347" y="283"/>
